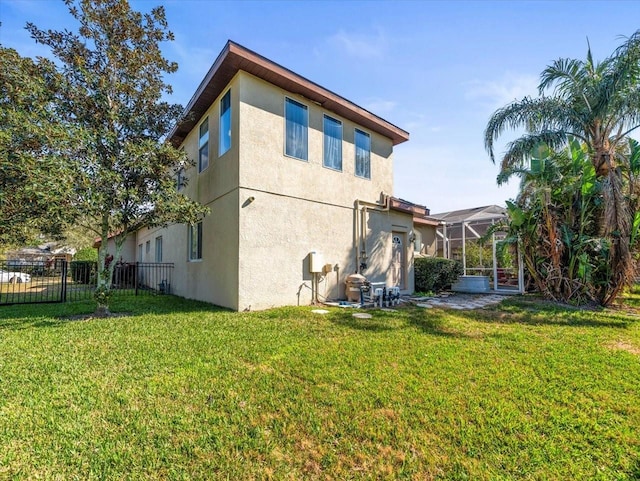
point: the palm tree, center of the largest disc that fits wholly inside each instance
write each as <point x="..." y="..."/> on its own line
<point x="599" y="104"/>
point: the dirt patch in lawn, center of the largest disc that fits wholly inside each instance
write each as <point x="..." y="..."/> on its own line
<point x="625" y="346"/>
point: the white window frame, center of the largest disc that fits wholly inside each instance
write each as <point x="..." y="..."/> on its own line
<point x="159" y="248"/>
<point x="355" y="154"/>
<point x="199" y="247"/>
<point x="202" y="143"/>
<point x="324" y="135"/>
<point x="306" y="108"/>
<point x="221" y="133"/>
<point x="180" y="179"/>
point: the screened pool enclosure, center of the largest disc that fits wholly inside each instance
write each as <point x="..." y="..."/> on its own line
<point x="489" y="263"/>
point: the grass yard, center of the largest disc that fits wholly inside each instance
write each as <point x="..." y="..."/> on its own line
<point x="181" y="390"/>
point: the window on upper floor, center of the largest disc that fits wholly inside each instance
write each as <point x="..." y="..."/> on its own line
<point x="139" y="253"/>
<point x="147" y="248"/>
<point x="203" y="145"/>
<point x="195" y="241"/>
<point x="180" y="178"/>
<point x="332" y="143"/>
<point x="225" y="124"/>
<point x="296" y="130"/>
<point x="363" y="154"/>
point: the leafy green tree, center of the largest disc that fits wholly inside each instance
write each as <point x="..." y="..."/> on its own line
<point x="111" y="91"/>
<point x="554" y="221"/>
<point x="599" y="105"/>
<point x="35" y="186"/>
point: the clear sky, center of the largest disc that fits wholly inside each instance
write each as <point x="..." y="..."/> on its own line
<point x="437" y="69"/>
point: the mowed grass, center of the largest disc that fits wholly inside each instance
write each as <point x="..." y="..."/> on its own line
<point x="181" y="390"/>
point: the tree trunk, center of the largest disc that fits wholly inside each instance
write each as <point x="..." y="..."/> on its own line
<point x="103" y="285"/>
<point x="102" y="310"/>
<point x="615" y="225"/>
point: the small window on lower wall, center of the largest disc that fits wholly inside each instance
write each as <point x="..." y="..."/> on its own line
<point x="159" y="249"/>
<point x="195" y="242"/>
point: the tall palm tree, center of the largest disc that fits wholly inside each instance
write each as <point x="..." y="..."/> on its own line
<point x="599" y="104"/>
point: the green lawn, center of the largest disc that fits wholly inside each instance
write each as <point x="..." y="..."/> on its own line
<point x="180" y="390"/>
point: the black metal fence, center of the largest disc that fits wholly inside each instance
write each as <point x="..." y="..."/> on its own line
<point x="61" y="281"/>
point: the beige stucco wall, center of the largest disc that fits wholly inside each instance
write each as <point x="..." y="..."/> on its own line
<point x="277" y="234"/>
<point x="300" y="206"/>
<point x="268" y="211"/>
<point x="263" y="165"/>
<point x="214" y="278"/>
<point x="128" y="252"/>
<point x="428" y="237"/>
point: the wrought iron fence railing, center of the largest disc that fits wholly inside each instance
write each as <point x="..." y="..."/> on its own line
<point x="61" y="281"/>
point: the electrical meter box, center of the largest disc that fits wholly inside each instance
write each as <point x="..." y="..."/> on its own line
<point x="316" y="262"/>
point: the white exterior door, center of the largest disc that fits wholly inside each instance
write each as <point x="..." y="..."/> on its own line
<point x="398" y="260"/>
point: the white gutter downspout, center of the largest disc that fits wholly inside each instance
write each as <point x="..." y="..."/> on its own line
<point x="464" y="249"/>
<point x="361" y="237"/>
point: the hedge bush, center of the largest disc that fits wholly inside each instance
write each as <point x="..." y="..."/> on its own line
<point x="434" y="274"/>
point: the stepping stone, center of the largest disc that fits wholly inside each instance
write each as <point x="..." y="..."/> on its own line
<point x="320" y="311"/>
<point x="362" y="315"/>
<point x="423" y="305"/>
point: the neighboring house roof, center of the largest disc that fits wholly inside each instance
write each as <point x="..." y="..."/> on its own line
<point x="43" y="251"/>
<point x="487" y="212"/>
<point x="235" y="57"/>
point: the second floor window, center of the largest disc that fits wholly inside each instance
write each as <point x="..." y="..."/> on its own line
<point x="296" y="129"/>
<point x="225" y="124"/>
<point x="332" y="143"/>
<point x="203" y="145"/>
<point x="180" y="179"/>
<point x="159" y="249"/>
<point x="363" y="154"/>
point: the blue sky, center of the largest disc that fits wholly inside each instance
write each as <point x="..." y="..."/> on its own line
<point x="435" y="68"/>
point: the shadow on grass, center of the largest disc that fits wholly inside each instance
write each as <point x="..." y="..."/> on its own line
<point x="431" y="322"/>
<point x="524" y="312"/>
<point x="546" y="313"/>
<point x="25" y="316"/>
<point x="635" y="470"/>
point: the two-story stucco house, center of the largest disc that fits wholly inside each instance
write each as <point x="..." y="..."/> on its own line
<point x="287" y="168"/>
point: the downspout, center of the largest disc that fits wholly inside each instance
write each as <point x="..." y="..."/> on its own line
<point x="445" y="241"/>
<point x="464" y="249"/>
<point x="362" y="207"/>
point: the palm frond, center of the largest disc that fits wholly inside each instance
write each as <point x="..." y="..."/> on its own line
<point x="628" y="118"/>
<point x="521" y="149"/>
<point x="540" y="114"/>
<point x="564" y="73"/>
<point x="623" y="72"/>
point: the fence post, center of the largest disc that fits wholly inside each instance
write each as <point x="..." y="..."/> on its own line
<point x="63" y="291"/>
<point x="136" y="276"/>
